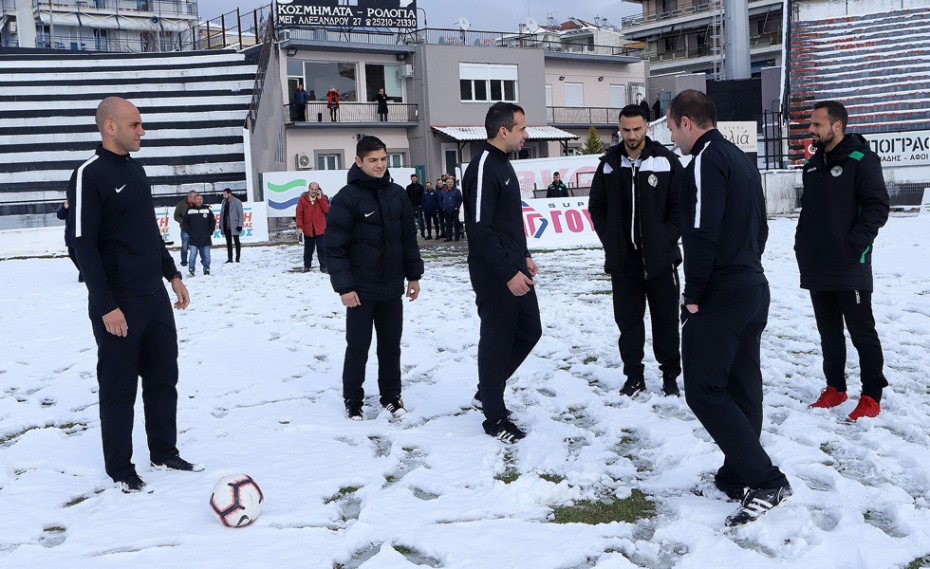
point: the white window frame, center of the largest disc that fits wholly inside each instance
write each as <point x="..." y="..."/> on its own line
<point x="490" y="75"/>
<point x="323" y="159"/>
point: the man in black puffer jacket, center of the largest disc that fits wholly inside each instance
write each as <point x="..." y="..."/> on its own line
<point x="843" y="206"/>
<point x="371" y="246"/>
<point x="634" y="207"/>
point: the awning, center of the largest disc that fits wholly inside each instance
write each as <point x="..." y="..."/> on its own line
<point x="473" y="133"/>
<point x="114" y="22"/>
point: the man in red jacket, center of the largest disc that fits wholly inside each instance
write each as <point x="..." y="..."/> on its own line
<point x="311" y="223"/>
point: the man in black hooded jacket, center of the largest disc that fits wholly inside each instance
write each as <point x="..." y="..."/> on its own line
<point x="843" y="206"/>
<point x="634" y="207"/>
<point x="371" y="246"/>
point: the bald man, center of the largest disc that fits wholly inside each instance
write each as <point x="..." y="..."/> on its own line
<point x="117" y="241"/>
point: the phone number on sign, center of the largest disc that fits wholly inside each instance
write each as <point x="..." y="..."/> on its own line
<point x="390" y="23"/>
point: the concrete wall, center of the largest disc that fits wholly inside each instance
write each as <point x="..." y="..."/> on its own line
<point x="339" y="140"/>
<point x="266" y="136"/>
<point x="596" y="93"/>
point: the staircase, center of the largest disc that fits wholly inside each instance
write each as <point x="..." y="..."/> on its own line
<point x="193" y="107"/>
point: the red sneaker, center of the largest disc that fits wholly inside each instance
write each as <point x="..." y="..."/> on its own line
<point x="867" y="407"/>
<point x="829" y="397"/>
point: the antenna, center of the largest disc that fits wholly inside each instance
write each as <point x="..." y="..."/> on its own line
<point x="464" y="24"/>
<point x="531" y="24"/>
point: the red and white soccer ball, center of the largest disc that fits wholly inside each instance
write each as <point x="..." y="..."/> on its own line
<point x="236" y="500"/>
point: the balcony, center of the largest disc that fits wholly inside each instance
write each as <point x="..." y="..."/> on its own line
<point x="569" y="117"/>
<point x="164" y="8"/>
<point x="651" y="17"/>
<point x="399" y="114"/>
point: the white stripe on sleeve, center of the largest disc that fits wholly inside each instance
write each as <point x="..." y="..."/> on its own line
<point x="484" y="156"/>
<point x="79" y="196"/>
<point x="697" y="185"/>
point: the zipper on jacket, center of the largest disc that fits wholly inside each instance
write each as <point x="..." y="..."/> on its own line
<point x="633" y="209"/>
<point x="858" y="298"/>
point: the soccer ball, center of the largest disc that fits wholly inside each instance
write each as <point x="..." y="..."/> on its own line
<point x="236" y="500"/>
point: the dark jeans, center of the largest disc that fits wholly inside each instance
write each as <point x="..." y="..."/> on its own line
<point x="510" y="327"/>
<point x="229" y="246"/>
<point x="453" y="225"/>
<point x="420" y="219"/>
<point x="150" y="350"/>
<point x="319" y="244"/>
<point x="332" y="114"/>
<point x="387" y="316"/>
<point x="432" y="219"/>
<point x="720" y="348"/>
<point x="185" y="246"/>
<point x="630" y="295"/>
<point x="831" y="309"/>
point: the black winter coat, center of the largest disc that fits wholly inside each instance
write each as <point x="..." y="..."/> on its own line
<point x="842" y="208"/>
<point x="371" y="238"/>
<point x="630" y="202"/>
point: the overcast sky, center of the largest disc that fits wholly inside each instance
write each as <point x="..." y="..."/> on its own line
<point x="489" y="15"/>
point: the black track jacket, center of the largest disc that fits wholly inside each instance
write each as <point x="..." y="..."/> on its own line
<point x="116" y="238"/>
<point x="635" y="207"/>
<point x="723" y="224"/>
<point x="494" y="215"/>
<point x="371" y="238"/>
<point x="842" y="208"/>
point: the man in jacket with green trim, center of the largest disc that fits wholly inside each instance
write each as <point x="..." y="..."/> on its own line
<point x="843" y="206"/>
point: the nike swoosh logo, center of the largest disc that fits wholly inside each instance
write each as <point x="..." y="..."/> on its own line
<point x="119" y="189"/>
<point x="507" y="183"/>
<point x="370" y="213"/>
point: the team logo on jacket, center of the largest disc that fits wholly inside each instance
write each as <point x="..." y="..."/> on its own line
<point x="837" y="171"/>
<point x="653" y="180"/>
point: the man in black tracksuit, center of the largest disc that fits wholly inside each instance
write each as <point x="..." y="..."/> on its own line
<point x="634" y="207"/>
<point x="123" y="259"/>
<point x="371" y="246"/>
<point x="843" y="206"/>
<point x="726" y="302"/>
<point x="500" y="266"/>
<point x="415" y="195"/>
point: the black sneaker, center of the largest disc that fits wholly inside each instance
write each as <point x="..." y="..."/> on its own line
<point x="324" y="270"/>
<point x="354" y="411"/>
<point x="183" y="263"/>
<point x="206" y="272"/>
<point x="506" y="432"/>
<point x="191" y="272"/>
<point x="757" y="502"/>
<point x="396" y="408"/>
<point x="130" y="484"/>
<point x="670" y="386"/>
<point x="633" y="386"/>
<point x="177" y="463"/>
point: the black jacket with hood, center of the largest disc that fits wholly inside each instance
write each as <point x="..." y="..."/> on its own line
<point x="371" y="238"/>
<point x="842" y="208"/>
<point x="634" y="207"/>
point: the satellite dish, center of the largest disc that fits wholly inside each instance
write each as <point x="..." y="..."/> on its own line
<point x="464" y="24"/>
<point x="531" y="24"/>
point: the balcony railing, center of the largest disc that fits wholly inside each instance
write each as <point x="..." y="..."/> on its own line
<point x="316" y="112"/>
<point x="158" y="7"/>
<point x="760" y="41"/>
<point x="123" y="43"/>
<point x="583" y="115"/>
<point x="649" y="17"/>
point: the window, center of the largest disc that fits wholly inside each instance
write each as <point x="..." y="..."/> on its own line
<point x="574" y="95"/>
<point x="397" y="159"/>
<point x="327" y="161"/>
<point x="319" y="76"/>
<point x="617" y="96"/>
<point x="387" y="77"/>
<point x="488" y="83"/>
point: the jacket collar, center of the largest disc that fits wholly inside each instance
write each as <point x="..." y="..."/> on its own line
<point x="106" y="154"/>
<point x="704" y="140"/>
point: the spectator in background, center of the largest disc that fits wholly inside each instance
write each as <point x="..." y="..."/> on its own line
<point x="332" y="103"/>
<point x="430" y="210"/>
<point x="657" y="109"/>
<point x="440" y="189"/>
<point x="231" y="221"/>
<point x="312" y="208"/>
<point x="644" y="105"/>
<point x="557" y="189"/>
<point x="300" y="103"/>
<point x="180" y="212"/>
<point x="415" y="195"/>
<point x="200" y="224"/>
<point x="382" y="99"/>
<point x="63" y="214"/>
<point x="451" y="203"/>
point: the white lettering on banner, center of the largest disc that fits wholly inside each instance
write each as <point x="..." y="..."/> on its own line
<point x="904" y="148"/>
<point x="740" y="133"/>
<point x="558" y="223"/>
<point x="254" y="227"/>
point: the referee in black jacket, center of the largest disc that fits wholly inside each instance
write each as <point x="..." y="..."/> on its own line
<point x="726" y="302"/>
<point x="500" y="266"/>
<point x="123" y="259"/>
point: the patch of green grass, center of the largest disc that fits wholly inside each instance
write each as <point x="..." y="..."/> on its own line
<point x="919" y="563"/>
<point x="342" y="493"/>
<point x="549" y="477"/>
<point x="55" y="529"/>
<point x="403" y="550"/>
<point x="606" y="291"/>
<point x="629" y="510"/>
<point x="510" y="474"/>
<point x="589" y="360"/>
<point x="75" y="501"/>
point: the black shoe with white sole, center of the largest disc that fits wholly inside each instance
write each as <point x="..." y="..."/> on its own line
<point x="757" y="502"/>
<point x="177" y="463"/>
<point x="670" y="386"/>
<point x="633" y="386"/>
<point x="505" y="431"/>
<point x="130" y="484"/>
<point x="354" y="411"/>
<point x="396" y="408"/>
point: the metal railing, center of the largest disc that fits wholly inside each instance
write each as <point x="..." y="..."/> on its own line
<point x="154" y="43"/>
<point x="259" y="86"/>
<point x="649" y="17"/>
<point x="159" y="7"/>
<point x="236" y="29"/>
<point x="316" y="112"/>
<point x="583" y="115"/>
